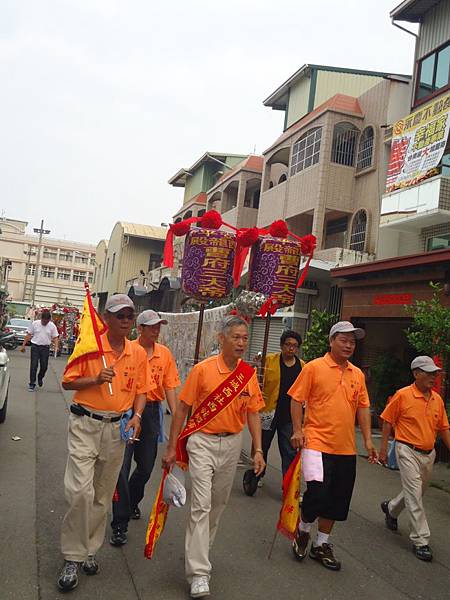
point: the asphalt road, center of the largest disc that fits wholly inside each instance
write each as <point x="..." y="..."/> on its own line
<point x="376" y="563"/>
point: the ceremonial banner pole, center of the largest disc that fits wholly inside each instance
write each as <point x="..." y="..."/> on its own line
<point x="265" y="344"/>
<point x="199" y="333"/>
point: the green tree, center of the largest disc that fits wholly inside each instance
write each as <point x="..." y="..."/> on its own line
<point x="430" y="332"/>
<point x="316" y="340"/>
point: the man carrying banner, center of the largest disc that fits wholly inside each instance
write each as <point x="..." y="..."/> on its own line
<point x="164" y="374"/>
<point x="223" y="393"/>
<point x="110" y="377"/>
<point x="334" y="392"/>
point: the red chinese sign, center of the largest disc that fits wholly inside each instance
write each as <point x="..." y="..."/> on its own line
<point x="383" y="299"/>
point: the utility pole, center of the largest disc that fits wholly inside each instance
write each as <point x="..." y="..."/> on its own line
<point x="41" y="231"/>
<point x="29" y="253"/>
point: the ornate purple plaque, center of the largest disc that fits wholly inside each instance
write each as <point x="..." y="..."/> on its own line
<point x="274" y="264"/>
<point x="207" y="272"/>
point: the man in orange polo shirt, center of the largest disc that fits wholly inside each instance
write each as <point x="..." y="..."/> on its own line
<point x="417" y="414"/>
<point x="164" y="374"/>
<point x="214" y="450"/>
<point x="334" y="392"/>
<point x="95" y="443"/>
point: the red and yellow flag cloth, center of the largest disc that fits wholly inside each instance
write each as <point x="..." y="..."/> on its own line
<point x="221" y="397"/>
<point x="289" y="518"/>
<point x="92" y="327"/>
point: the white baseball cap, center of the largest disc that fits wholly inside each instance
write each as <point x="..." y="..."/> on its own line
<point x="150" y="317"/>
<point x="117" y="302"/>
<point x="347" y="327"/>
<point x="425" y="363"/>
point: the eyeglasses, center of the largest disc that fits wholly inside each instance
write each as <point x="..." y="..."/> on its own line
<point x="124" y="316"/>
<point x="291" y="346"/>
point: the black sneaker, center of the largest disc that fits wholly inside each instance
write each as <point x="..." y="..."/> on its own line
<point x="136" y="514"/>
<point x="40" y="382"/>
<point x="324" y="554"/>
<point x="118" y="537"/>
<point x="90" y="566"/>
<point x="423" y="553"/>
<point x="31" y="387"/>
<point x="300" y="544"/>
<point x="68" y="578"/>
<point x="391" y="522"/>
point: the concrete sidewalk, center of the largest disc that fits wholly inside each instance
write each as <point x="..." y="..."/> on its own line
<point x="441" y="471"/>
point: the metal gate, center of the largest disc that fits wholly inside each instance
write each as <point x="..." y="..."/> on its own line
<point x="257" y="335"/>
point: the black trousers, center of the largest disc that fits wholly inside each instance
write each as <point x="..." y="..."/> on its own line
<point x="130" y="490"/>
<point x="39" y="358"/>
<point x="330" y="498"/>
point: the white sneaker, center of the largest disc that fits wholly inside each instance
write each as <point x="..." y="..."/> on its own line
<point x="199" y="586"/>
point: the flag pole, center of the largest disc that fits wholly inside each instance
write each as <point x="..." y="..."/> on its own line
<point x="273" y="544"/>
<point x="93" y="314"/>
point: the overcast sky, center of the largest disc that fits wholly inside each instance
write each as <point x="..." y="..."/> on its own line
<point x="103" y="100"/>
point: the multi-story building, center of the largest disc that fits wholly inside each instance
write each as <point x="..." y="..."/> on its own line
<point x="236" y="193"/>
<point x="414" y="234"/>
<point x="196" y="180"/>
<point x="132" y="251"/>
<point x="416" y="216"/>
<point x="323" y="174"/>
<point x="63" y="269"/>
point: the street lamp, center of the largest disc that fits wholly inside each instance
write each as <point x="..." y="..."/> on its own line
<point x="41" y="231"/>
<point x="28" y="253"/>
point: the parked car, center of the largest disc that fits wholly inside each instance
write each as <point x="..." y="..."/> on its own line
<point x="4" y="383"/>
<point x="19" y="327"/>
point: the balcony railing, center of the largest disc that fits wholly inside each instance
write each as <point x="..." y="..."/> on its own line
<point x="423" y="202"/>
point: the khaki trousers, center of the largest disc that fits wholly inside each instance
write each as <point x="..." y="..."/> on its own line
<point x="95" y="457"/>
<point x="415" y="473"/>
<point x="212" y="466"/>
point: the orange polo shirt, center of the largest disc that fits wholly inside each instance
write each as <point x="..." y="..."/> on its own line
<point x="332" y="397"/>
<point x="204" y="378"/>
<point x="132" y="378"/>
<point x="416" y="419"/>
<point x="163" y="371"/>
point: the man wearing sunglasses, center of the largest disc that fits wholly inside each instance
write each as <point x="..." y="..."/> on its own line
<point x="164" y="374"/>
<point x="104" y="397"/>
<point x="417" y="413"/>
<point x="281" y="369"/>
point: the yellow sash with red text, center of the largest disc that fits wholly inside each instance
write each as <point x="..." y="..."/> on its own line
<point x="221" y="397"/>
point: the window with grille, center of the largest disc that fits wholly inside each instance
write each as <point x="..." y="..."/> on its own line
<point x="66" y="256"/>
<point x="49" y="253"/>
<point x="306" y="150"/>
<point x="365" y="150"/>
<point x="359" y="230"/>
<point x="81" y="258"/>
<point x="48" y="272"/>
<point x="345" y="136"/>
<point x="31" y="269"/>
<point x="79" y="276"/>
<point x="63" y="274"/>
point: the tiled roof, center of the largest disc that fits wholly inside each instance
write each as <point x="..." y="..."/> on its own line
<point x="251" y="163"/>
<point x="338" y="102"/>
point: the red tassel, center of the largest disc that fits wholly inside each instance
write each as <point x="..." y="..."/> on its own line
<point x="168" y="249"/>
<point x="246" y="237"/>
<point x="269" y="306"/>
<point x="211" y="220"/>
<point x="308" y="244"/>
<point x="279" y="229"/>
<point x="304" y="272"/>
